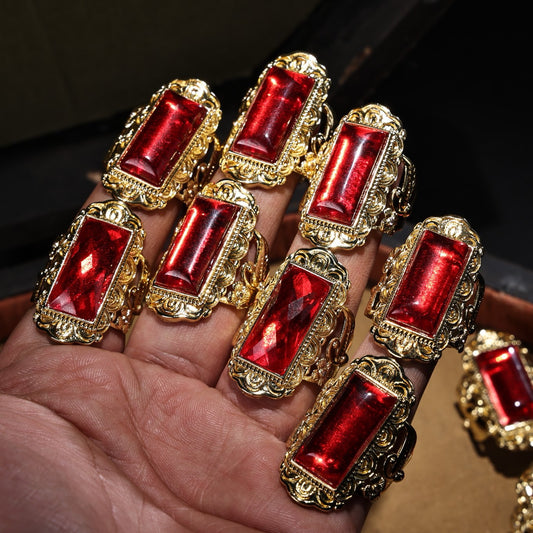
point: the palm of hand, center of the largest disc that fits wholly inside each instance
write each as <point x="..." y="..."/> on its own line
<point x="96" y="441"/>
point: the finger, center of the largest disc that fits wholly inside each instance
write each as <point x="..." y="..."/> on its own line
<point x="175" y="345"/>
<point x="281" y="416"/>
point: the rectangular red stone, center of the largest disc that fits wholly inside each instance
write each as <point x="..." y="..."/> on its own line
<point x="352" y="164"/>
<point x="272" y="115"/>
<point x="197" y="245"/>
<point x="162" y="139"/>
<point x="345" y="430"/>
<point x="429" y="283"/>
<point x="89" y="268"/>
<point x="279" y="331"/>
<point x="508" y="385"/>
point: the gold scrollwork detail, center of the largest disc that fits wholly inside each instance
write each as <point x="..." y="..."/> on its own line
<point x="522" y="517"/>
<point x="122" y="300"/>
<point x="387" y="197"/>
<point x="459" y="319"/>
<point x="220" y="284"/>
<point x="383" y="460"/>
<point x="480" y="417"/>
<point x="321" y="352"/>
<point x="186" y="177"/>
<point x="252" y="171"/>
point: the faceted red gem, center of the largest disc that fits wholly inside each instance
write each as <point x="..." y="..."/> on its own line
<point x="89" y="269"/>
<point x="352" y="163"/>
<point x="280" y="329"/>
<point x="161" y="140"/>
<point x="345" y="430"/>
<point x="429" y="282"/>
<point x="272" y="115"/>
<point x="197" y="245"/>
<point x="508" y="385"/>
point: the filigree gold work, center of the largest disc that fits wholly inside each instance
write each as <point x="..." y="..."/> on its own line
<point x="387" y="199"/>
<point x="124" y="296"/>
<point x="251" y="171"/>
<point x="185" y="178"/>
<point x="220" y="285"/>
<point x="459" y="319"/>
<point x="319" y="355"/>
<point x="383" y="460"/>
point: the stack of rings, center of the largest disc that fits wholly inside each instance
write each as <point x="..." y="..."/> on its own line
<point x="357" y="437"/>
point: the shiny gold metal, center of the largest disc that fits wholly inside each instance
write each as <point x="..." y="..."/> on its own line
<point x="387" y="197"/>
<point x="522" y="518"/>
<point x="231" y="279"/>
<point x="324" y="345"/>
<point x="461" y="311"/>
<point x="480" y="417"/>
<point x="314" y="116"/>
<point x="124" y="297"/>
<point x="187" y="175"/>
<point x="385" y="455"/>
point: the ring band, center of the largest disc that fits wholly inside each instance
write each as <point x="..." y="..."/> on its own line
<point x="200" y="267"/>
<point x="356" y="439"/>
<point x="95" y="277"/>
<point x="359" y="181"/>
<point x="522" y="518"/>
<point x="496" y="390"/>
<point x="297" y="328"/>
<point x="277" y="120"/>
<point x="156" y="156"/>
<point x="430" y="291"/>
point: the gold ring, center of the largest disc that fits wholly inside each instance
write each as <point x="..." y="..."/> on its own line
<point x="296" y="329"/>
<point x="200" y="267"/>
<point x="156" y="156"/>
<point x="95" y="277"/>
<point x="430" y="291"/>
<point x="496" y="390"/>
<point x="359" y="180"/>
<point x="355" y="440"/>
<point x="277" y="120"/>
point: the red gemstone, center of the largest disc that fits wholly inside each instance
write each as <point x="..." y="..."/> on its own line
<point x="352" y="164"/>
<point x="197" y="245"/>
<point x="273" y="113"/>
<point x="280" y="329"/>
<point x="89" y="268"/>
<point x="345" y="430"/>
<point x="161" y="140"/>
<point x="429" y="282"/>
<point x="508" y="385"/>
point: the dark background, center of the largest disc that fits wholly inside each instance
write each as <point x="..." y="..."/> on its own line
<point x="457" y="73"/>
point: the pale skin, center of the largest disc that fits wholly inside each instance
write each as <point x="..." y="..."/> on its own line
<point x="153" y="435"/>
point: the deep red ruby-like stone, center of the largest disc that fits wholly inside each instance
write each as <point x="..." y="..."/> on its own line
<point x="351" y="165"/>
<point x="161" y="140"/>
<point x="429" y="282"/>
<point x="508" y="385"/>
<point x="197" y="245"/>
<point x="346" y="429"/>
<point x="280" y="329"/>
<point x="88" y="269"/>
<point x="273" y="113"/>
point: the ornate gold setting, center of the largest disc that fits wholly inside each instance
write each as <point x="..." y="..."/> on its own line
<point x="223" y="283"/>
<point x="324" y="347"/>
<point x="459" y="319"/>
<point x="522" y="518"/>
<point x="480" y="418"/>
<point x="187" y="176"/>
<point x="251" y="171"/>
<point x="383" y="460"/>
<point x="388" y="195"/>
<point x="124" y="297"/>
